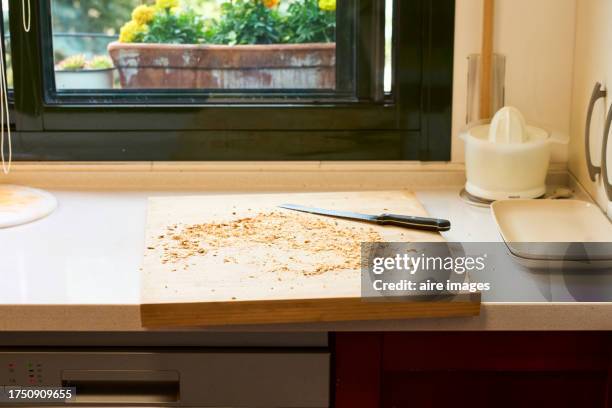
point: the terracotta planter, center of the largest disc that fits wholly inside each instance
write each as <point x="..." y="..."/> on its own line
<point x="305" y="66"/>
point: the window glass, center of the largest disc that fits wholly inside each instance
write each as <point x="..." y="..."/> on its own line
<point x="215" y="45"/>
<point x="7" y="44"/>
<point x="388" y="82"/>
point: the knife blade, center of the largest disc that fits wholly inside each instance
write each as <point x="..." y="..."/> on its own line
<point x="404" y="221"/>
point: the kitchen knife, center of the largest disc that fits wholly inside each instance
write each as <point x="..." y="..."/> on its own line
<point x="404" y="221"/>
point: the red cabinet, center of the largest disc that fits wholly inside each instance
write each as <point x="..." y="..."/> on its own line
<point x="431" y="370"/>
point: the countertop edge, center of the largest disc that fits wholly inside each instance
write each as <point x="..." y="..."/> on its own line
<point x="494" y="316"/>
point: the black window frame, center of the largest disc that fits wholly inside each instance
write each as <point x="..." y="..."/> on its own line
<point x="411" y="123"/>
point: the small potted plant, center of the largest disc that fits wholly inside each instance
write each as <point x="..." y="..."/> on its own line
<point x="77" y="72"/>
<point x="255" y="44"/>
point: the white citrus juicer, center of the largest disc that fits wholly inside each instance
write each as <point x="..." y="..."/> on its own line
<point x="506" y="158"/>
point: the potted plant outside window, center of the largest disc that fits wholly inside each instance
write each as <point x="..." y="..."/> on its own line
<point x="253" y="45"/>
<point x="76" y="72"/>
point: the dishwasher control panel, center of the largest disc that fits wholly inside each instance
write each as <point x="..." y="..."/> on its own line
<point x="259" y="378"/>
<point x="23" y="372"/>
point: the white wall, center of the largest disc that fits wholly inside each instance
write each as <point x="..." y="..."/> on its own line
<point x="537" y="37"/>
<point x="593" y="64"/>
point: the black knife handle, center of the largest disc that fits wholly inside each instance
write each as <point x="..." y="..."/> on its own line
<point x="407" y="221"/>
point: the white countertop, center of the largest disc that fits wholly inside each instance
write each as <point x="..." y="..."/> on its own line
<point x="89" y="251"/>
<point x="83" y="261"/>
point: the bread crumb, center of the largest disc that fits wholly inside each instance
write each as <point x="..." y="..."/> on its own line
<point x="314" y="245"/>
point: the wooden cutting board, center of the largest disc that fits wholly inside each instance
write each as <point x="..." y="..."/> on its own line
<point x="239" y="259"/>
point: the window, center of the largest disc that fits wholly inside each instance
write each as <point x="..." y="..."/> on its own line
<point x="213" y="45"/>
<point x="388" y="45"/>
<point x="198" y="80"/>
<point x="6" y="37"/>
<point x="6" y="48"/>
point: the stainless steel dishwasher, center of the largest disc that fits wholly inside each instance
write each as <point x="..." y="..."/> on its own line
<point x="178" y="369"/>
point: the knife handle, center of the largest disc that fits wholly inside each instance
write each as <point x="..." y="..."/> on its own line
<point x="407" y="221"/>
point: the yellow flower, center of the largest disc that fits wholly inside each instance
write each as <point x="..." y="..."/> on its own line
<point x="166" y="4"/>
<point x="271" y="3"/>
<point x="130" y="30"/>
<point x="327" y="5"/>
<point x="143" y="14"/>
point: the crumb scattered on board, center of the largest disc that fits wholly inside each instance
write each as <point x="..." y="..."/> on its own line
<point x="285" y="241"/>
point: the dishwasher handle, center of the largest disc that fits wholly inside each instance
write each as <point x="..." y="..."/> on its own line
<point x="123" y="386"/>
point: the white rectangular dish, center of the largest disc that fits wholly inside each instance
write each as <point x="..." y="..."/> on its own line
<point x="568" y="233"/>
<point x="551" y="221"/>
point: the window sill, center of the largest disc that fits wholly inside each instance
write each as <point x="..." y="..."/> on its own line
<point x="245" y="176"/>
